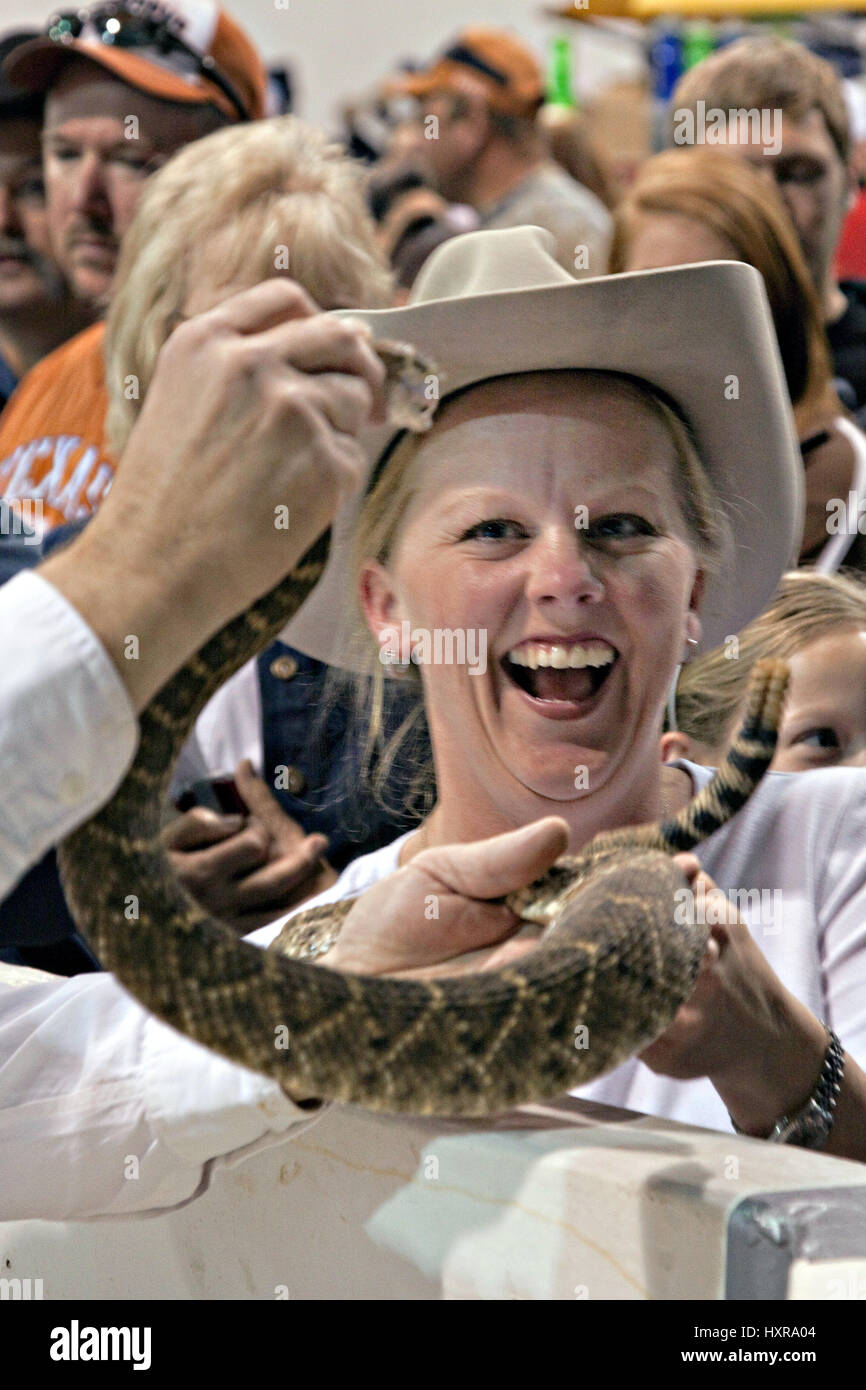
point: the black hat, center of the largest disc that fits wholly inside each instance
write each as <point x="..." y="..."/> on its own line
<point x="13" y="101"/>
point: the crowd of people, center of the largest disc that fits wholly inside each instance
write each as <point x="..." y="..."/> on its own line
<point x="645" y="471"/>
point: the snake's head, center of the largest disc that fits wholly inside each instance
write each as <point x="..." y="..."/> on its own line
<point x="411" y="385"/>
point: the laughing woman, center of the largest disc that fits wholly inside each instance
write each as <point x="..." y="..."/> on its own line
<point x="589" y="498"/>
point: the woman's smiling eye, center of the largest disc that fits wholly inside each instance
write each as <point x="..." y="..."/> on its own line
<point x="496" y="529"/>
<point x="620" y="526"/>
<point x="820" y="738"/>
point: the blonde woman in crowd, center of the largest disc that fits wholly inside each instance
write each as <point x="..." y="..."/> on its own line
<point x="273" y="197"/>
<point x="815" y="622"/>
<point x="695" y="205"/>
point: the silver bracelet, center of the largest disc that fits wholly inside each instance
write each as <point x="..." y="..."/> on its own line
<point x="810" y="1126"/>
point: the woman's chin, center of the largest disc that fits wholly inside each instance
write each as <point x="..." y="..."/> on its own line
<point x="567" y="774"/>
<point x="556" y="750"/>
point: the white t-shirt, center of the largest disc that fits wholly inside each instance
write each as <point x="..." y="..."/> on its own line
<point x="548" y="197"/>
<point x="795" y="857"/>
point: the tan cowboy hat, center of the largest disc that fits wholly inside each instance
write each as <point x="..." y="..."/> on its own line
<point x="493" y="303"/>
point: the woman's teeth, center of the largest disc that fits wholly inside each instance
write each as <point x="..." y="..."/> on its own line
<point x="569" y="672"/>
<point x="567" y="656"/>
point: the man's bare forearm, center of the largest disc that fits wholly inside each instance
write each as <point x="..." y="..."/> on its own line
<point x="150" y="615"/>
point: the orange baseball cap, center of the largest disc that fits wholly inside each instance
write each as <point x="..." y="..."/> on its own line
<point x="188" y="51"/>
<point x="509" y="71"/>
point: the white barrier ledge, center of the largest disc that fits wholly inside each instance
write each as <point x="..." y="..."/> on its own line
<point x="565" y="1201"/>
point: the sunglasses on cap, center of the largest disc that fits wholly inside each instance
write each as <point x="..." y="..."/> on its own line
<point x="149" y="27"/>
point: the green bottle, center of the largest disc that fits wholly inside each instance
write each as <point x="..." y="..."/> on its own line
<point x="698" y="42"/>
<point x="559" y="88"/>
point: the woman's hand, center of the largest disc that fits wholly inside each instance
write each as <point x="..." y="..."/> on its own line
<point x="761" y="1048"/>
<point x="439" y="907"/>
<point x="248" y="870"/>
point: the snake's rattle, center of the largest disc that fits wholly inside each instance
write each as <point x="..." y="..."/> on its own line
<point x="408" y="377"/>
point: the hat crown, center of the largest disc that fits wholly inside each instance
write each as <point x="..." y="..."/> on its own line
<point x="490" y="262"/>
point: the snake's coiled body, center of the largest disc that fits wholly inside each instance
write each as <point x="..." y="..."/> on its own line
<point x="606" y="979"/>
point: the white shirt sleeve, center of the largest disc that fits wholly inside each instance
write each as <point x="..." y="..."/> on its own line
<point x="68" y="730"/>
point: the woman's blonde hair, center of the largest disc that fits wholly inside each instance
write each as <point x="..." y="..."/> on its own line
<point x="282" y="198"/>
<point x="806" y="606"/>
<point x="376" y="534"/>
<point x="724" y="193"/>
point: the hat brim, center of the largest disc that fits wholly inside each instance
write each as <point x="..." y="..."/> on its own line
<point x="446" y="76"/>
<point x="34" y="66"/>
<point x="701" y="333"/>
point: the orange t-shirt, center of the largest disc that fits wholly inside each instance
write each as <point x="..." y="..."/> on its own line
<point x="53" y="457"/>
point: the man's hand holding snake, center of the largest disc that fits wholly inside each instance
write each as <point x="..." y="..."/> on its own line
<point x="446" y="903"/>
<point x="391" y="930"/>
<point x="274" y="395"/>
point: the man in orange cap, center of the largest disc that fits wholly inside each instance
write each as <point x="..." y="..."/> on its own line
<point x="126" y="85"/>
<point x="477" y="136"/>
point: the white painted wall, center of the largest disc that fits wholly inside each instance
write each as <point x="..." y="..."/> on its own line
<point x="340" y="48"/>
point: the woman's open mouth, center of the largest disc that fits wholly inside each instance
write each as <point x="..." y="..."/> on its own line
<point x="564" y="676"/>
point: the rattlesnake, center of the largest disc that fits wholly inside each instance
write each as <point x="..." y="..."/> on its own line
<point x="607" y="977"/>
